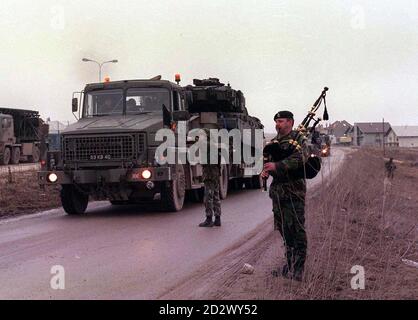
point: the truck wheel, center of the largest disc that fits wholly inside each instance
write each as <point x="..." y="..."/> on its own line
<point x="15" y="156"/>
<point x="6" y="157"/>
<point x="73" y="201"/>
<point x="223" y="182"/>
<point x="36" y="155"/>
<point x="175" y="192"/>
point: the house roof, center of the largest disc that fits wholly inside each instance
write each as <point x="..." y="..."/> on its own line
<point x="406" y="131"/>
<point x="339" y="128"/>
<point x="342" y="123"/>
<point x="373" y="127"/>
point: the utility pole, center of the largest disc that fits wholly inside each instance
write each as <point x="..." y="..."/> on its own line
<point x="383" y="136"/>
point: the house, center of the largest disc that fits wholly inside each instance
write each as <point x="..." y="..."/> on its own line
<point x="407" y="136"/>
<point x="373" y="134"/>
<point x="339" y="129"/>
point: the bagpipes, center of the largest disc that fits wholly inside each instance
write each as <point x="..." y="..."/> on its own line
<point x="273" y="151"/>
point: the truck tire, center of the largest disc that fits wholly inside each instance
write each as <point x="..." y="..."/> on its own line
<point x="223" y="182"/>
<point x="73" y="201"/>
<point x="15" y="155"/>
<point x="5" y="159"/>
<point x="36" y="155"/>
<point x="175" y="191"/>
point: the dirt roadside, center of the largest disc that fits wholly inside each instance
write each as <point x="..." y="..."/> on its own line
<point x="358" y="219"/>
<point x="20" y="194"/>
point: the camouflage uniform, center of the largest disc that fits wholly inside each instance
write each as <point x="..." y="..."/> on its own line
<point x="212" y="200"/>
<point x="390" y="168"/>
<point x="211" y="180"/>
<point x="289" y="203"/>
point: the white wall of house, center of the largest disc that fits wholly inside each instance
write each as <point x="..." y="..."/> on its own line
<point x="373" y="139"/>
<point x="391" y="138"/>
<point x="408" y="142"/>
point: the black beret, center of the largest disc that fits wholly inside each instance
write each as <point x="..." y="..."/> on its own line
<point x="283" y="114"/>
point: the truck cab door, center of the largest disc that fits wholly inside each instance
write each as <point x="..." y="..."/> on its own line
<point x="7" y="130"/>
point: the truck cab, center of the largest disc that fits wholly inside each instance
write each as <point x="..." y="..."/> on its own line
<point x="7" y="138"/>
<point x="7" y="129"/>
<point x="109" y="153"/>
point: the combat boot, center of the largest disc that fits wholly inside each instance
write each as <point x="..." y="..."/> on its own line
<point x="217" y="222"/>
<point x="208" y="223"/>
<point x="298" y="275"/>
<point x="287" y="269"/>
<point x="283" y="271"/>
<point x="299" y="267"/>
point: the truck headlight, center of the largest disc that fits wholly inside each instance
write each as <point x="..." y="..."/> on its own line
<point x="146" y="174"/>
<point x="52" y="177"/>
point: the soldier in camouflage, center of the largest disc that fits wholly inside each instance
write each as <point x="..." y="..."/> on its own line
<point x="289" y="198"/>
<point x="211" y="174"/>
<point x="390" y="168"/>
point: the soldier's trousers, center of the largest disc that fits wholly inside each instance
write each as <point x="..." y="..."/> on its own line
<point x="289" y="219"/>
<point x="212" y="199"/>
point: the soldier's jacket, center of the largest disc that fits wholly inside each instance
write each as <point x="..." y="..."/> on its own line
<point x="390" y="166"/>
<point x="293" y="188"/>
<point x="211" y="172"/>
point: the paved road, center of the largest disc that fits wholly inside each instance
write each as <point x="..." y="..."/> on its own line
<point x="120" y="253"/>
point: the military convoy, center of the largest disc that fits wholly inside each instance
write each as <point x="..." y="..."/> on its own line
<point x="320" y="144"/>
<point x="21" y="135"/>
<point x="110" y="152"/>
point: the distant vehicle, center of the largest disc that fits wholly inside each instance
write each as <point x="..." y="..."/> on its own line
<point x="109" y="153"/>
<point x="320" y="144"/>
<point x="21" y="133"/>
<point x="325" y="145"/>
<point x="325" y="150"/>
<point x="345" y="140"/>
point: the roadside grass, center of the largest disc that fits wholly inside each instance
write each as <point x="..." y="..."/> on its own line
<point x="362" y="219"/>
<point x="21" y="194"/>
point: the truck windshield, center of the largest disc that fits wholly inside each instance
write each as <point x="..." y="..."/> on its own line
<point x="104" y="102"/>
<point x="137" y="101"/>
<point x="146" y="100"/>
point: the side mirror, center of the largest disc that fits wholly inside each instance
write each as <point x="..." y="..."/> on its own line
<point x="181" y="115"/>
<point x="75" y="104"/>
<point x="166" y="116"/>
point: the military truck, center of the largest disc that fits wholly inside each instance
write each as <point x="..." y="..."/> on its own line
<point x="110" y="152"/>
<point x="21" y="133"/>
<point x="345" y="140"/>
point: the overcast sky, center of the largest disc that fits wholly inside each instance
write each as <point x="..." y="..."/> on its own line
<point x="279" y="53"/>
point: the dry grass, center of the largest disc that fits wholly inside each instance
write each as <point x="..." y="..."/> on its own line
<point x="354" y="221"/>
<point x="20" y="194"/>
